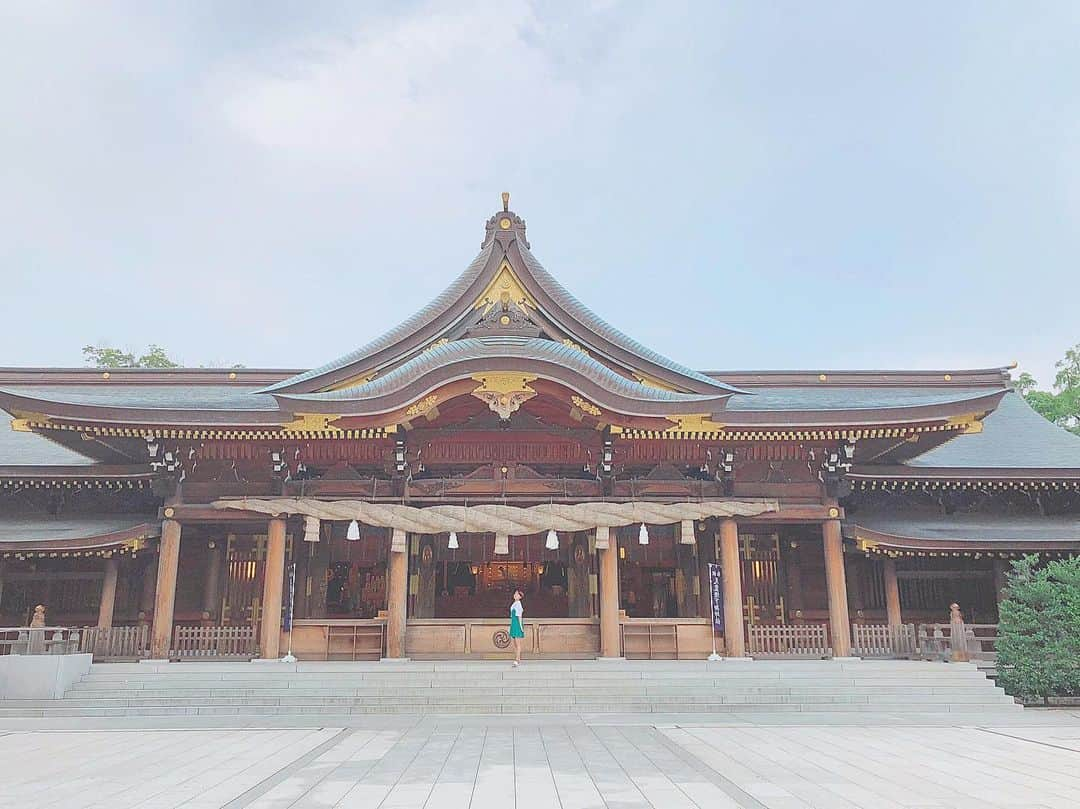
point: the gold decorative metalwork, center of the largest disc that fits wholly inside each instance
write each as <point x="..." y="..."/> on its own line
<point x="505" y="288"/>
<point x="576" y="346"/>
<point x="440" y="342"/>
<point x="968" y="424"/>
<point x="506" y="200"/>
<point x="695" y="423"/>
<point x="585" y="406"/>
<point x="311" y="423"/>
<point x="422" y="406"/>
<point x="505" y="223"/>
<point x="504" y="392"/>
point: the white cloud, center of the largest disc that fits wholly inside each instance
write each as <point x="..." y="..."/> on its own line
<point x="434" y="93"/>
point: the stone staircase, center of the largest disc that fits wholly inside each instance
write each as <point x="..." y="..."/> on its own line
<point x="577" y="687"/>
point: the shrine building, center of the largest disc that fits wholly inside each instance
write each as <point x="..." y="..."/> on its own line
<point x="388" y="503"/>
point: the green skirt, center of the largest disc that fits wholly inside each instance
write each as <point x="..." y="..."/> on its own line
<point x="516" y="629"/>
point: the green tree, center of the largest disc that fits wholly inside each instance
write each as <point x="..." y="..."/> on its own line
<point x="106" y="357"/>
<point x="1039" y="629"/>
<point x="1062" y="405"/>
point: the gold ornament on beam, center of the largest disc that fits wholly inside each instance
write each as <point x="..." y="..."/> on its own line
<point x="311" y="423"/>
<point x="585" y="406"/>
<point x="695" y="423"/>
<point x="504" y="289"/>
<point x="968" y="424"/>
<point x="422" y="406"/>
<point x="504" y="393"/>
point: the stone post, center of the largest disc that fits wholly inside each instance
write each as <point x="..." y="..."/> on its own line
<point x="892" y="593"/>
<point x="108" y="591"/>
<point x="397" y="603"/>
<point x="273" y="582"/>
<point x="165" y="594"/>
<point x="835" y="579"/>
<point x="734" y="631"/>
<point x="610" y="642"/>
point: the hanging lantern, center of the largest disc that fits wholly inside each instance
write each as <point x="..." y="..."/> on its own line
<point x="643" y="535"/>
<point x="452" y="543"/>
<point x="311" y="529"/>
<point x="353" y="533"/>
<point x="552" y="543"/>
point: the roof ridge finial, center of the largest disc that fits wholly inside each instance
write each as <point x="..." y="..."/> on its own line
<point x="506" y="200"/>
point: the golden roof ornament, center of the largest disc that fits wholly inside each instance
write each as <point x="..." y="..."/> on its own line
<point x="506" y="200"/>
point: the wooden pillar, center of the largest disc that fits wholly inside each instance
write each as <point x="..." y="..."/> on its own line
<point x="839" y="621"/>
<point x="211" y="601"/>
<point x="165" y="593"/>
<point x="734" y="633"/>
<point x="610" y="642"/>
<point x="273" y="582"/>
<point x="108" y="591"/>
<point x="397" y="603"/>
<point x="149" y="586"/>
<point x="892" y="593"/>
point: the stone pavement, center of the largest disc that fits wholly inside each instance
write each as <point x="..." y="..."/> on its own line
<point x="564" y="762"/>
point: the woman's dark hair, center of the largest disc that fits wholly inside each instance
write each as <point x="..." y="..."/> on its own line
<point x="518" y="592"/>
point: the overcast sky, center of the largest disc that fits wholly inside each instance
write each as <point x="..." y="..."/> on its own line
<point x="737" y="185"/>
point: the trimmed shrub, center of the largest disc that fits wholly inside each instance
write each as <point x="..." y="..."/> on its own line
<point x="1039" y="629"/>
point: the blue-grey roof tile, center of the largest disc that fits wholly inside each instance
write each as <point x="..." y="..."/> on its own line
<point x="1013" y="436"/>
<point x="31" y="449"/>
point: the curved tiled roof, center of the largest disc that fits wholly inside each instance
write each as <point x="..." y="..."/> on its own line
<point x="455" y="303"/>
<point x="461" y="358"/>
<point x="74" y="532"/>
<point x="902" y="529"/>
<point x="151" y="397"/>
<point x="597" y="325"/>
<point x="1014" y="437"/>
<point x="851" y="398"/>
<point x="31" y="449"/>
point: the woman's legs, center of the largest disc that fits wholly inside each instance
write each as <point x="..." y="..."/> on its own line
<point x="517" y="650"/>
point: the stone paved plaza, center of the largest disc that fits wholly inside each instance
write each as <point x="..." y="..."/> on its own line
<point x="821" y="761"/>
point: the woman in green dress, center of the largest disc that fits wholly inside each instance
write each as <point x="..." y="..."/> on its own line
<point x="517" y="630"/>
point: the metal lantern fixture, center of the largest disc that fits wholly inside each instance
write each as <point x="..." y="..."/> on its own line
<point x="353" y="533"/>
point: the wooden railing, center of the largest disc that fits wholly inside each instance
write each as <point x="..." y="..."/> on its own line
<point x="883" y="640"/>
<point x="795" y="640"/>
<point x="115" y="642"/>
<point x="214" y="641"/>
<point x="38" y="640"/>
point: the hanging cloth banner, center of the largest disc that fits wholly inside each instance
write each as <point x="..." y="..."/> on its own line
<point x="501" y="520"/>
<point x="290" y="606"/>
<point x="716" y="595"/>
